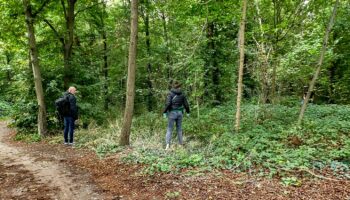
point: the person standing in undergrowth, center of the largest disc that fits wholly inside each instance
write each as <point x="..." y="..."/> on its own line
<point x="70" y="116"/>
<point x="175" y="104"/>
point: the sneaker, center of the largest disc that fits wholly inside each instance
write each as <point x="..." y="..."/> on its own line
<point x="71" y="143"/>
<point x="167" y="147"/>
<point x="65" y="143"/>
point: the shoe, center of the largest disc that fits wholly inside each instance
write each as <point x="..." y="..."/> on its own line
<point x="71" y="144"/>
<point x="167" y="147"/>
<point x="65" y="143"/>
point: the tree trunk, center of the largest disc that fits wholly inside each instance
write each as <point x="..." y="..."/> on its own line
<point x="319" y="64"/>
<point x="105" y="69"/>
<point x="130" y="90"/>
<point x="105" y="59"/>
<point x="241" y="63"/>
<point x="332" y="73"/>
<point x="8" y="71"/>
<point x="276" y="21"/>
<point x="263" y="58"/>
<point x="149" y="66"/>
<point x="66" y="39"/>
<point x="166" y="38"/>
<point x="68" y="44"/>
<point x="34" y="59"/>
<point x="212" y="64"/>
<point x="196" y="85"/>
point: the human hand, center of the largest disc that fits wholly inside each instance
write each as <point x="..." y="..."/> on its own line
<point x="188" y="114"/>
<point x="164" y="115"/>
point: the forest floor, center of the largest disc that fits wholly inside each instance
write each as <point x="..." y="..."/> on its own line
<point x="51" y="171"/>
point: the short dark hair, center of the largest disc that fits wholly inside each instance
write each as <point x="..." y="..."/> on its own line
<point x="176" y="84"/>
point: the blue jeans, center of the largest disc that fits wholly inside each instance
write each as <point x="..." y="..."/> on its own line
<point x="174" y="117"/>
<point x="68" y="129"/>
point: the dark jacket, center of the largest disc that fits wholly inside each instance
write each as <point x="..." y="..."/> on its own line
<point x="175" y="101"/>
<point x="73" y="109"/>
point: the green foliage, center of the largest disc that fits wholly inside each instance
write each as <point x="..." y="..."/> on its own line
<point x="269" y="141"/>
<point x="5" y="109"/>
<point x="268" y="144"/>
<point x="107" y="147"/>
<point x="291" y="181"/>
<point x="173" y="195"/>
<point x="195" y="43"/>
<point x="23" y="114"/>
<point x="29" y="138"/>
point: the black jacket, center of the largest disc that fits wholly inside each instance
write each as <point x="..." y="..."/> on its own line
<point x="73" y="109"/>
<point x="175" y="100"/>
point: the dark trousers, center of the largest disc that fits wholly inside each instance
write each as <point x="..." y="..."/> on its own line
<point x="68" y="129"/>
<point x="174" y="117"/>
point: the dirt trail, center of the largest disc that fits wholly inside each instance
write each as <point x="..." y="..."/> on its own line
<point x="35" y="178"/>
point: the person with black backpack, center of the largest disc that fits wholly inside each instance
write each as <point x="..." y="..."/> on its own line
<point x="175" y="104"/>
<point x="67" y="108"/>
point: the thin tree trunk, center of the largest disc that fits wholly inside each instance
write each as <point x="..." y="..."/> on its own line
<point x="213" y="68"/>
<point x="68" y="44"/>
<point x="66" y="39"/>
<point x="195" y="92"/>
<point x="319" y="64"/>
<point x="130" y="91"/>
<point x="276" y="12"/>
<point x="241" y="63"/>
<point x="8" y="71"/>
<point x="105" y="59"/>
<point x="263" y="58"/>
<point x="34" y="59"/>
<point x="168" y="57"/>
<point x="105" y="69"/>
<point x="332" y="74"/>
<point x="149" y="66"/>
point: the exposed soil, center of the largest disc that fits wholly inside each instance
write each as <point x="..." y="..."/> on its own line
<point x="48" y="171"/>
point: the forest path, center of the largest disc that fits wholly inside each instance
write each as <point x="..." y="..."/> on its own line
<point x="26" y="176"/>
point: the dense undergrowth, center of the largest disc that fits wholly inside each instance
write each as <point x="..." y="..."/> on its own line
<point x="5" y="108"/>
<point x="268" y="144"/>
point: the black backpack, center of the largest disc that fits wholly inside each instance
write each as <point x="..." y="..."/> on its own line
<point x="62" y="105"/>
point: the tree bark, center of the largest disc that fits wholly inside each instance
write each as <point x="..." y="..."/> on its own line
<point x="241" y="63"/>
<point x="276" y="21"/>
<point x="66" y="39"/>
<point x="130" y="91"/>
<point x="105" y="59"/>
<point x="212" y="64"/>
<point x="8" y="71"/>
<point x="167" y="55"/>
<point x="34" y="59"/>
<point x="263" y="59"/>
<point x="149" y="65"/>
<point x="68" y="44"/>
<point x="332" y="73"/>
<point x="319" y="64"/>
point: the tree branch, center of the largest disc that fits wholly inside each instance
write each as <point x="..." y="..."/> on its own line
<point x="55" y="31"/>
<point x="298" y="11"/>
<point x="302" y="169"/>
<point x="41" y="8"/>
<point x="79" y="11"/>
<point x="64" y="9"/>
